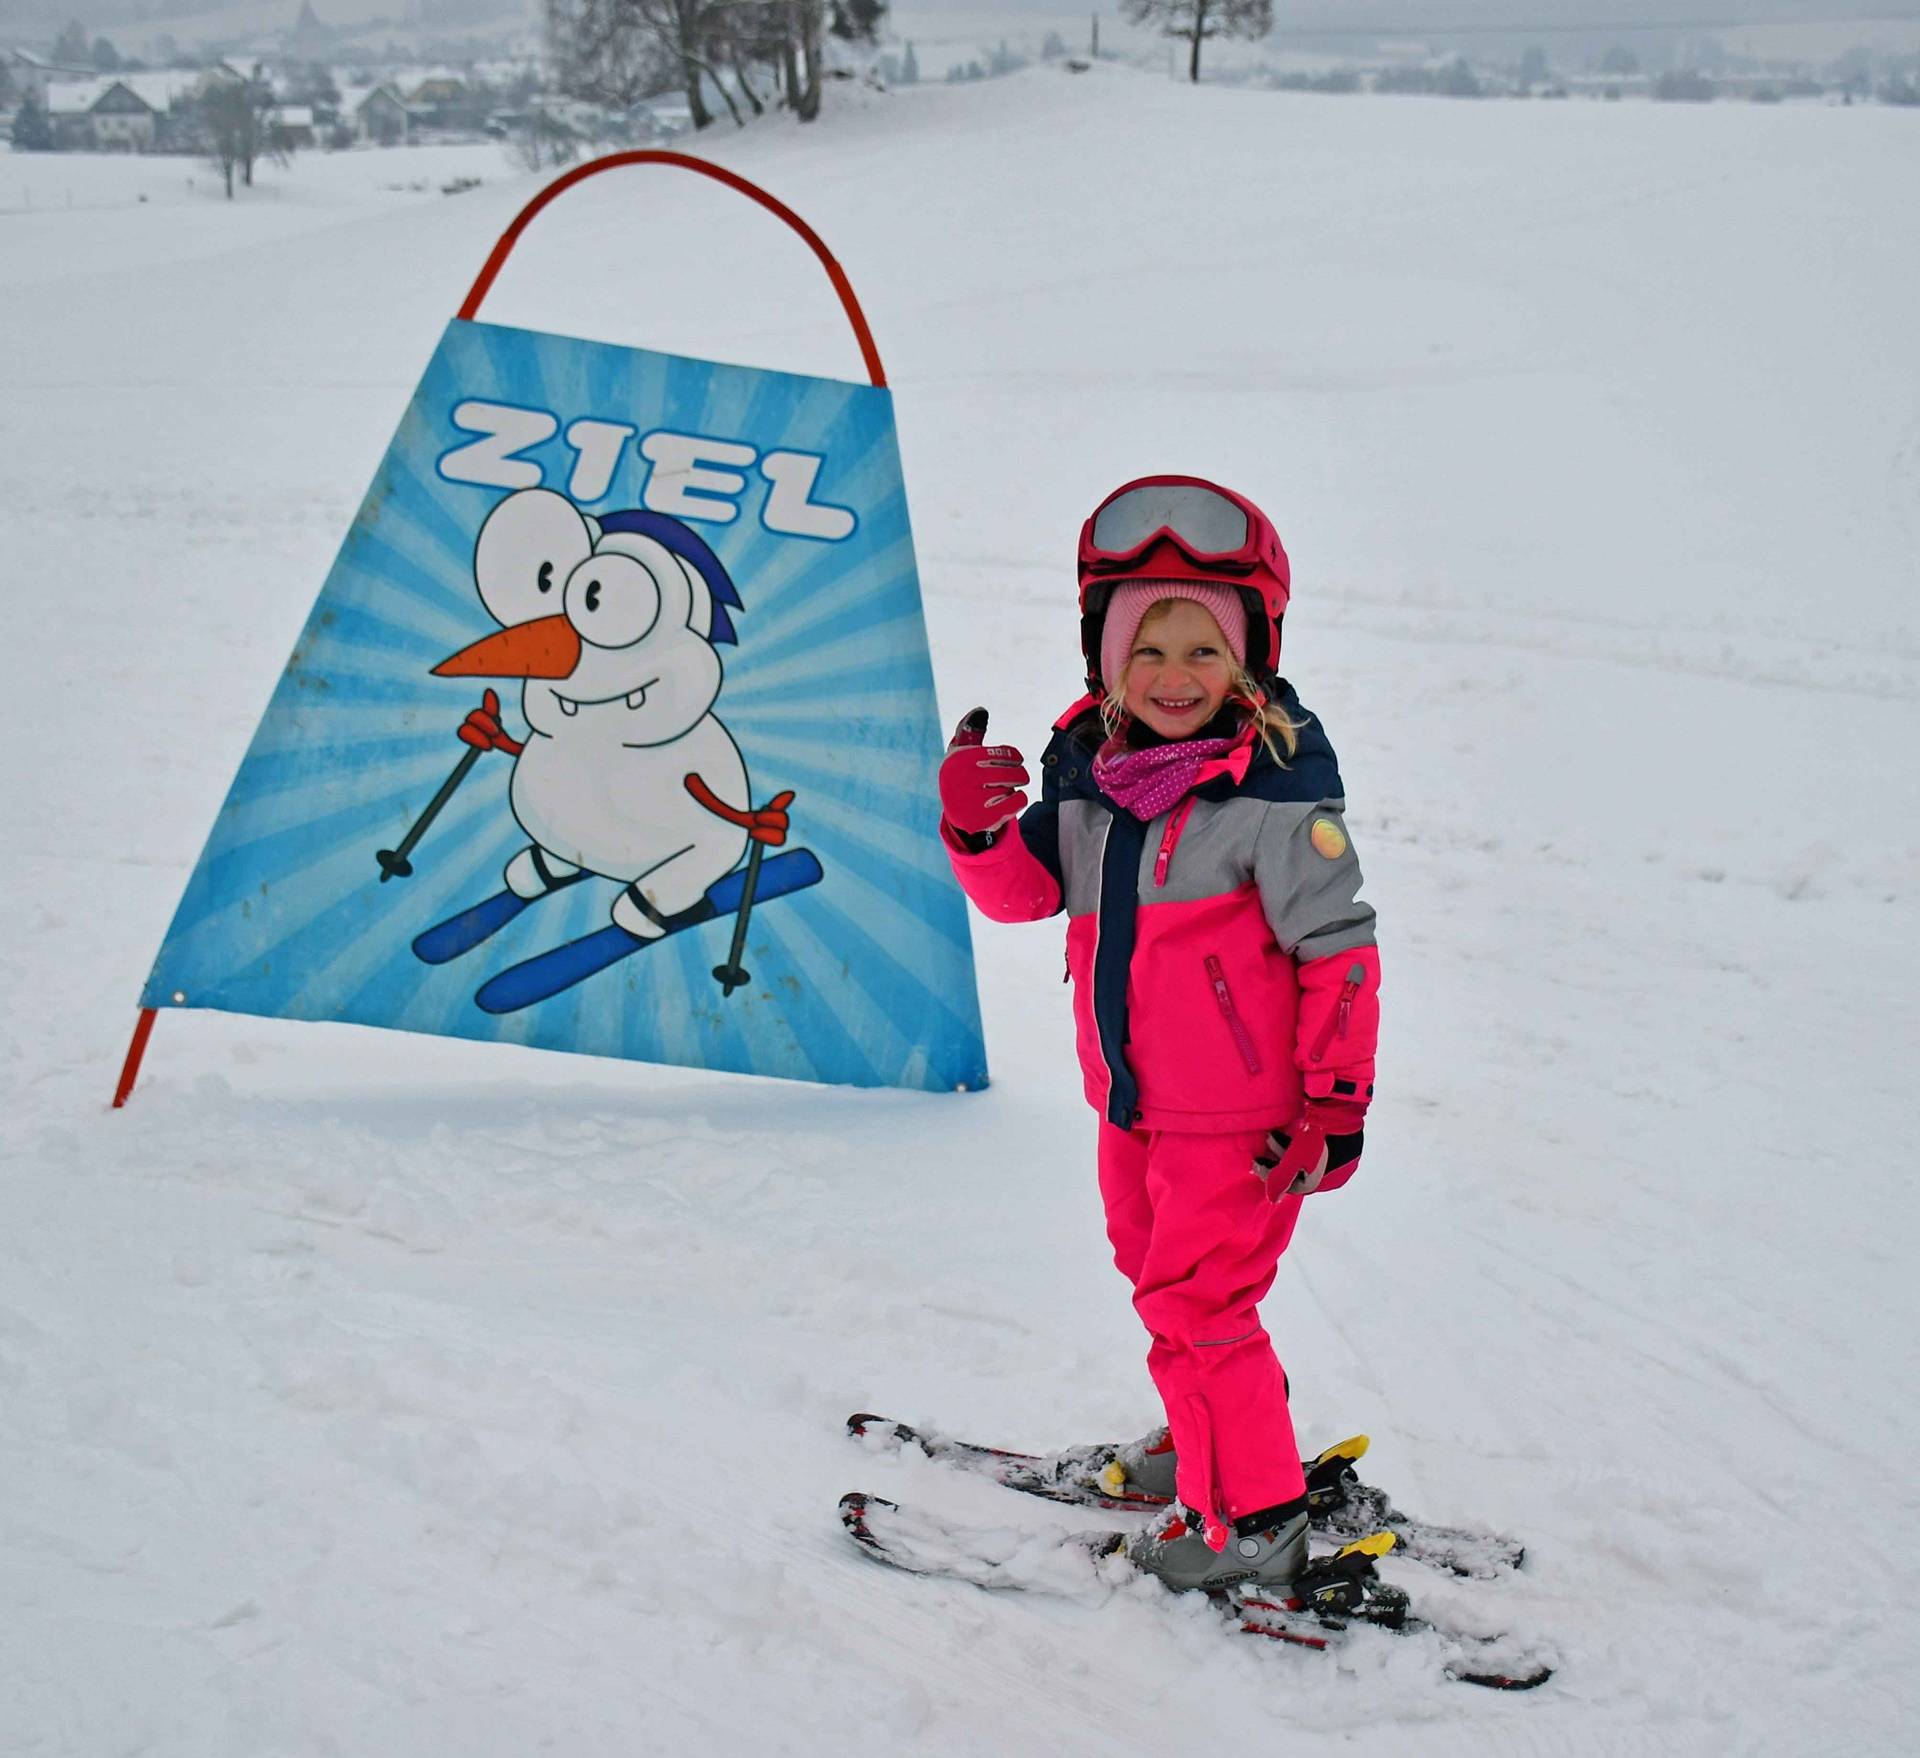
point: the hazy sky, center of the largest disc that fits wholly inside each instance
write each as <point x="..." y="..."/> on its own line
<point x="1434" y="15"/>
<point x="1414" y="17"/>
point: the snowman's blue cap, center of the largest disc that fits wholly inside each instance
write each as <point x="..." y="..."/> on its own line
<point x="691" y="548"/>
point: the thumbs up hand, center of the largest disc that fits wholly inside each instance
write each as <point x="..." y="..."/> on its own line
<point x="979" y="782"/>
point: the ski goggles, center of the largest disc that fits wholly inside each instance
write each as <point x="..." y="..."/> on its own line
<point x="1209" y="525"/>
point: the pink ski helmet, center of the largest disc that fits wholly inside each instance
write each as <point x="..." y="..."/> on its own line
<point x="1176" y="528"/>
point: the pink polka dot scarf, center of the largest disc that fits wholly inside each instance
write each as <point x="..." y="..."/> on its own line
<point x="1154" y="780"/>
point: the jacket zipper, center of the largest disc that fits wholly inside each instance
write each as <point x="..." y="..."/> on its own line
<point x="1356" y="977"/>
<point x="1222" y="994"/>
<point x="1170" y="839"/>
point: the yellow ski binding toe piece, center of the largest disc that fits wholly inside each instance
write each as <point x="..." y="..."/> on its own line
<point x="1375" y="1545"/>
<point x="1352" y="1448"/>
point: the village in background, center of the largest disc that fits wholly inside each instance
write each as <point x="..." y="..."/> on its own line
<point x="577" y="76"/>
<point x="309" y="87"/>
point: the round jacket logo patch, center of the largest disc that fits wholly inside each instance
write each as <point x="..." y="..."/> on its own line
<point x="1328" y="839"/>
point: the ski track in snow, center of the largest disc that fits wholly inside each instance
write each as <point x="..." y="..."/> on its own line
<point x="362" y="1393"/>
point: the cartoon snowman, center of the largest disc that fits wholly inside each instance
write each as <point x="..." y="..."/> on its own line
<point x="626" y="771"/>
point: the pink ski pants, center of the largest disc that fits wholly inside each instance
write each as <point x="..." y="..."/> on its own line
<point x="1193" y="1231"/>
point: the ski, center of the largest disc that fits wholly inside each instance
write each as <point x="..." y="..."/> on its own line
<point x="1076" y="1476"/>
<point x="1340" y="1506"/>
<point x="1343" y="1507"/>
<point x="447" y="940"/>
<point x="546" y="974"/>
<point x="1336" y="1595"/>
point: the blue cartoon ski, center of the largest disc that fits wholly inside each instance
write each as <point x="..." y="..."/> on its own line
<point x="544" y="976"/>
<point x="445" y="941"/>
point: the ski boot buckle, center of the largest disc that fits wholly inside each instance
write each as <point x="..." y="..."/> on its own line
<point x="1347" y="1585"/>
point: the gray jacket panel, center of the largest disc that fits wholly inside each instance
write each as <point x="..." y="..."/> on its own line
<point x="1309" y="878"/>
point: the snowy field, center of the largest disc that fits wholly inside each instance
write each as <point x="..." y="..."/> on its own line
<point x="377" y="1395"/>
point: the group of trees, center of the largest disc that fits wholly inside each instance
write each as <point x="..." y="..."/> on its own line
<point x="237" y="117"/>
<point x="619" y="52"/>
<point x="1455" y="80"/>
<point x="997" y="64"/>
<point x="1683" y="86"/>
<point x="72" y="49"/>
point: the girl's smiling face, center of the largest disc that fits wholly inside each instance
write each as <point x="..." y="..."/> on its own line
<point x="1180" y="670"/>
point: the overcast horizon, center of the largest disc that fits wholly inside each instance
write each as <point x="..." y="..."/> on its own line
<point x="1451" y="17"/>
<point x="1292" y="18"/>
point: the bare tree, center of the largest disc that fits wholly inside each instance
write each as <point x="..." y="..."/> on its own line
<point x="235" y="114"/>
<point x="620" y="51"/>
<point x="1196" y="20"/>
<point x="542" y="141"/>
<point x="603" y="51"/>
<point x="749" y="32"/>
<point x="856" y="21"/>
<point x="693" y="34"/>
<point x="637" y="48"/>
<point x="801" y="55"/>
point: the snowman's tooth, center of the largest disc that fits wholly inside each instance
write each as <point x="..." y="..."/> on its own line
<point x="637" y="697"/>
<point x="566" y="707"/>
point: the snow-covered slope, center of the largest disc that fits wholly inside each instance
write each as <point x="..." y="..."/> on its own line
<point x="372" y="1394"/>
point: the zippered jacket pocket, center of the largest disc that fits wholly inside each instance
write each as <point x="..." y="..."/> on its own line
<point x="1336" y="1025"/>
<point x="1223" y="998"/>
<point x="1339" y="1024"/>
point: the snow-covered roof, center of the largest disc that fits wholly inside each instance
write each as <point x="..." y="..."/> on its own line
<point x="27" y="58"/>
<point x="163" y="87"/>
<point x="411" y="78"/>
<point x="159" y="90"/>
<point x="292" y="115"/>
<point x="75" y="97"/>
<point x="577" y="113"/>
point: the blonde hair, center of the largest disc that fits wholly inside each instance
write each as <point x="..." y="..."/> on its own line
<point x="1274" y="726"/>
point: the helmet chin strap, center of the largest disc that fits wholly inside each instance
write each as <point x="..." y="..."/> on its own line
<point x="1268" y="664"/>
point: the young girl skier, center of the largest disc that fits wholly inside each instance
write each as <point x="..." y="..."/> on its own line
<point x="1225" y="982"/>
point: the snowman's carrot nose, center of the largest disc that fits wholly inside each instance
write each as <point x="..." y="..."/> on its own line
<point x="547" y="647"/>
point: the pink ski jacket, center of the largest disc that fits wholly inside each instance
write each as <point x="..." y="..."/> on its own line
<point x="1223" y="966"/>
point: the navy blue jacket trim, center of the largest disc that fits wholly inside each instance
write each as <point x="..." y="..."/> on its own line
<point x="1040" y="831"/>
<point x="1113" y="960"/>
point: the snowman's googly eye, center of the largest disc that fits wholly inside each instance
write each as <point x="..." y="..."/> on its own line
<point x="612" y="600"/>
<point x="529" y="545"/>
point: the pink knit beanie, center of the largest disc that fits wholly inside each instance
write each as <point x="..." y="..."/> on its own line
<point x="1131" y="601"/>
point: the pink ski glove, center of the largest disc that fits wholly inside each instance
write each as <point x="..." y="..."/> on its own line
<point x="1319" y="1151"/>
<point x="979" y="783"/>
